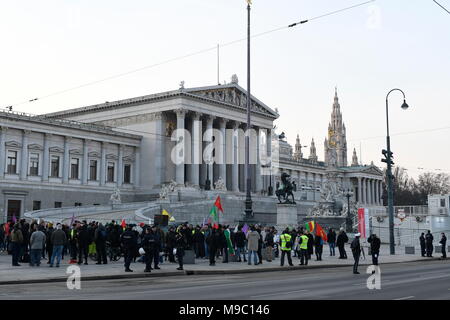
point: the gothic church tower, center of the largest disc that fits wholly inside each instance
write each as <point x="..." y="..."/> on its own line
<point x="336" y="135"/>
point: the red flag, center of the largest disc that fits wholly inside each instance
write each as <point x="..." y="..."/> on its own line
<point x="218" y="204"/>
<point x="320" y="232"/>
<point x="123" y="224"/>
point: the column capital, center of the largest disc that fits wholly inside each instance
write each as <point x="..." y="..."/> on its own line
<point x="181" y="112"/>
<point x="196" y="115"/>
<point x="159" y="115"/>
<point x="26" y="132"/>
<point x="223" y="122"/>
<point x="209" y="117"/>
<point x="235" y="124"/>
<point x="48" y="135"/>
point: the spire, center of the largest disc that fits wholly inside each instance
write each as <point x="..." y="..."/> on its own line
<point x="354" y="158"/>
<point x="312" y="152"/>
<point x="298" y="149"/>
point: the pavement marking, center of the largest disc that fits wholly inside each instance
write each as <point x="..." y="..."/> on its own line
<point x="405" y="298"/>
<point x="278" y="293"/>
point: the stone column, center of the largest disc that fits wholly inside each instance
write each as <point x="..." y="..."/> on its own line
<point x="223" y="150"/>
<point x="269" y="156"/>
<point x="3" y="155"/>
<point x="160" y="148"/>
<point x="359" y="190"/>
<point x="66" y="160"/>
<point x="24" y="156"/>
<point x="196" y="148"/>
<point x="314" y="186"/>
<point x="235" y="164"/>
<point x="120" y="167"/>
<point x="363" y="191"/>
<point x="258" y="177"/>
<point x="137" y="166"/>
<point x="209" y="139"/>
<point x="103" y="165"/>
<point x="180" y="166"/>
<point x="379" y="192"/>
<point x="85" y="163"/>
<point x="46" y="157"/>
<point x="372" y="194"/>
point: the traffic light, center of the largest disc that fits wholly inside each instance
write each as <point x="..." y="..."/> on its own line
<point x="388" y="156"/>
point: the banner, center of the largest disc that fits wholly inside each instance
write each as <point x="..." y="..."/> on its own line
<point x="363" y="222"/>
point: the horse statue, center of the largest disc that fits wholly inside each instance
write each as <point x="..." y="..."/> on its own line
<point x="285" y="189"/>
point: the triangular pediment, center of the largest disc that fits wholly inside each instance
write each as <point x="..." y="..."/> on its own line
<point x="76" y="151"/>
<point x="234" y="95"/>
<point x="35" y="146"/>
<point x="94" y="154"/>
<point x="373" y="170"/>
<point x="56" y="149"/>
<point x="13" y="144"/>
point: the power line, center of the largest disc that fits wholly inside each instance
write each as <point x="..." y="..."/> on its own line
<point x="441" y="6"/>
<point x="402" y="133"/>
<point x="184" y="56"/>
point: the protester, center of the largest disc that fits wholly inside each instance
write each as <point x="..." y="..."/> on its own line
<point x="269" y="245"/>
<point x="342" y="239"/>
<point x="100" y="236"/>
<point x="37" y="244"/>
<point x="213" y="241"/>
<point x="181" y="243"/>
<point x="331" y="239"/>
<point x="310" y="244"/>
<point x="239" y="242"/>
<point x="318" y="244"/>
<point x="57" y="241"/>
<point x="253" y="238"/>
<point x="16" y="243"/>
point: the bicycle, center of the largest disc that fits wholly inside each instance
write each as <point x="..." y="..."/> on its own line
<point x="114" y="253"/>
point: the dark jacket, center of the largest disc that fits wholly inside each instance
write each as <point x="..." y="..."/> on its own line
<point x="331" y="236"/>
<point x="310" y="243"/>
<point x="443" y="241"/>
<point x="429" y="239"/>
<point x="213" y="240"/>
<point x="149" y="242"/>
<point x="58" y="238"/>
<point x="269" y="239"/>
<point x="84" y="238"/>
<point x="129" y="240"/>
<point x="342" y="239"/>
<point x="375" y="244"/>
<point x="170" y="239"/>
<point x="100" y="235"/>
<point x="239" y="239"/>
<point x="422" y="241"/>
<point x="356" y="247"/>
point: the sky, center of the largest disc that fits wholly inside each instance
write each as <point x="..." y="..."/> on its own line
<point x="49" y="46"/>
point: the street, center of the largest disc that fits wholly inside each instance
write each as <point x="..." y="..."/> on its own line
<point x="401" y="281"/>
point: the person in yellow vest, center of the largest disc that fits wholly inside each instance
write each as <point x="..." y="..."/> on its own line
<point x="286" y="246"/>
<point x="303" y="243"/>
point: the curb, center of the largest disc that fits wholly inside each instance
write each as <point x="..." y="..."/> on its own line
<point x="198" y="272"/>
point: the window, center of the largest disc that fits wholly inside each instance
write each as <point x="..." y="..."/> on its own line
<point x="36" y="205"/>
<point x="54" y="171"/>
<point x="12" y="162"/>
<point x="110" y="172"/>
<point x="77" y="204"/>
<point x="74" y="168"/>
<point x="443" y="202"/>
<point x="58" y="204"/>
<point x="34" y="164"/>
<point x="127" y="173"/>
<point x="93" y="170"/>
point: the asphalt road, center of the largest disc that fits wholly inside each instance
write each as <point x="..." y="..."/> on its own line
<point x="405" y="281"/>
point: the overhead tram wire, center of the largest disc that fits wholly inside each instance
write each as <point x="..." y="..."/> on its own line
<point x="213" y="48"/>
<point x="440" y="5"/>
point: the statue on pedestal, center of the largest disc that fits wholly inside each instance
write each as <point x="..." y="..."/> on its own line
<point x="285" y="190"/>
<point x="115" y="197"/>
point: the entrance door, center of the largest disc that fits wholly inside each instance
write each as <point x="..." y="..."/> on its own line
<point x="13" y="209"/>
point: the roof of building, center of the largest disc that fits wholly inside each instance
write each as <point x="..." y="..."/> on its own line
<point x="15" y="116"/>
<point x="188" y="92"/>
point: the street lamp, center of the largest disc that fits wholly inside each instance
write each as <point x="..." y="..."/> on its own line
<point x="348" y="194"/>
<point x="248" y="198"/>
<point x="388" y="159"/>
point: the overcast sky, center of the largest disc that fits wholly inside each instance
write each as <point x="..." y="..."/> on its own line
<point x="49" y="46"/>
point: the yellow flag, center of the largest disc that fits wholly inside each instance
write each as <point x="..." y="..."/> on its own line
<point x="172" y="219"/>
<point x="165" y="213"/>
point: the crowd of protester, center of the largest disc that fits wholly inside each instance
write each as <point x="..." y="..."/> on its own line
<point x="82" y="241"/>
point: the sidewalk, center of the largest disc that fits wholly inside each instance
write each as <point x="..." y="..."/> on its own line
<point x="115" y="270"/>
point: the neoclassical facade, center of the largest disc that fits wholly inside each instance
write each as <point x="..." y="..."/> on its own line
<point x="47" y="163"/>
<point x="191" y="136"/>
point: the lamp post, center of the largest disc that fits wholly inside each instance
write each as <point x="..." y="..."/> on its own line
<point x="348" y="194"/>
<point x="248" y="198"/>
<point x="388" y="159"/>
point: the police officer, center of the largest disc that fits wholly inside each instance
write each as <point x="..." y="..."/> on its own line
<point x="429" y="244"/>
<point x="303" y="243"/>
<point x="375" y="244"/>
<point x="356" y="250"/>
<point x="181" y="245"/>
<point x="128" y="240"/>
<point x="443" y="243"/>
<point x="422" y="244"/>
<point x="148" y="244"/>
<point x="286" y="246"/>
